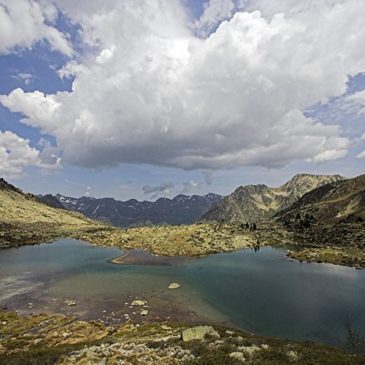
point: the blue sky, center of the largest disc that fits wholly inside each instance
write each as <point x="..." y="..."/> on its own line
<point x="217" y="137"/>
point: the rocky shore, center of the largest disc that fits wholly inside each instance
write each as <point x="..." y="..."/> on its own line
<point x="64" y="340"/>
<point x="342" y="244"/>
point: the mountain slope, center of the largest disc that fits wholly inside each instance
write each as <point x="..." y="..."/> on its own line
<point x="182" y="209"/>
<point x="25" y="219"/>
<point x="340" y="201"/>
<point x="252" y="203"/>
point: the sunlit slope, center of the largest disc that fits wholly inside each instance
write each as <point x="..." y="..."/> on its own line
<point x="24" y="219"/>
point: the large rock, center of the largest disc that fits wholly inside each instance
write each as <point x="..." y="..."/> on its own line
<point x="138" y="303"/>
<point x="198" y="333"/>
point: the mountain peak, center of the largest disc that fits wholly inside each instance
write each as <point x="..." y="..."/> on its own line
<point x="252" y="203"/>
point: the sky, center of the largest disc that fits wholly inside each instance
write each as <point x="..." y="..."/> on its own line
<point x="150" y="98"/>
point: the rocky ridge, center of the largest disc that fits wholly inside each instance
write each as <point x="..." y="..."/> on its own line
<point x="254" y="203"/>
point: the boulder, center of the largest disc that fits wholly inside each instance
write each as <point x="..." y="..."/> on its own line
<point x="138" y="303"/>
<point x="198" y="333"/>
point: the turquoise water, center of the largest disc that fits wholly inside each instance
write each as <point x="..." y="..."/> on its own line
<point x="262" y="291"/>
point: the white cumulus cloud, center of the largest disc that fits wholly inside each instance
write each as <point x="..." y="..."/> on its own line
<point x="25" y="22"/>
<point x="16" y="154"/>
<point x="155" y="93"/>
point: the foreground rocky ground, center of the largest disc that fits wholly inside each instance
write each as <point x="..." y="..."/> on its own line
<point x="58" y="339"/>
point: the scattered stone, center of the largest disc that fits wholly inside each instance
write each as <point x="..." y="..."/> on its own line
<point x="174" y="286"/>
<point x="292" y="356"/>
<point x="198" y="333"/>
<point x="265" y="346"/>
<point x="70" y="302"/>
<point x="165" y="328"/>
<point x="249" y="350"/>
<point x="230" y="332"/>
<point x="144" y="312"/>
<point x="138" y="303"/>
<point x="237" y="356"/>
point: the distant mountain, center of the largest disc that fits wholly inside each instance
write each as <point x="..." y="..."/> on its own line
<point x="182" y="209"/>
<point x="253" y="203"/>
<point x="339" y="201"/>
<point x="51" y="201"/>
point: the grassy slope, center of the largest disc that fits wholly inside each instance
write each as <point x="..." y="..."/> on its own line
<point x="25" y="220"/>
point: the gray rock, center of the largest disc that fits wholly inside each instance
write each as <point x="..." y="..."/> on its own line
<point x="198" y="333"/>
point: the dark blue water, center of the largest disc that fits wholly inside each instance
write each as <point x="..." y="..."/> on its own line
<point x="262" y="292"/>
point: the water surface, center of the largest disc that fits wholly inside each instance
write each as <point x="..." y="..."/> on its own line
<point x="262" y="291"/>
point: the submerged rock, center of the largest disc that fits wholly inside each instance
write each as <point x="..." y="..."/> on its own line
<point x="198" y="333"/>
<point x="174" y="286"/>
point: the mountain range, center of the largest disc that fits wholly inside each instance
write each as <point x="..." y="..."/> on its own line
<point x="254" y="203"/>
<point x="182" y="209"/>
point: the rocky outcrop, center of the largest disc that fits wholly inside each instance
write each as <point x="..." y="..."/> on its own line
<point x="254" y="203"/>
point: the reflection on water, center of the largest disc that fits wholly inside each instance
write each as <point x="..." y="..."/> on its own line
<point x="256" y="290"/>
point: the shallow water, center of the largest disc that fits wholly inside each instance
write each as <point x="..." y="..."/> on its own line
<point x="262" y="291"/>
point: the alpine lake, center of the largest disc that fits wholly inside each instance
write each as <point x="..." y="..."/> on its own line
<point x="259" y="291"/>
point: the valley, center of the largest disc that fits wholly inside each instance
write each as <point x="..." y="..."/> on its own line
<point x="256" y="234"/>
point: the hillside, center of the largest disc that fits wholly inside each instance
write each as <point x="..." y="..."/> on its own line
<point x="25" y="219"/>
<point x="340" y="201"/>
<point x="328" y="223"/>
<point x="254" y="203"/>
<point x="182" y="209"/>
